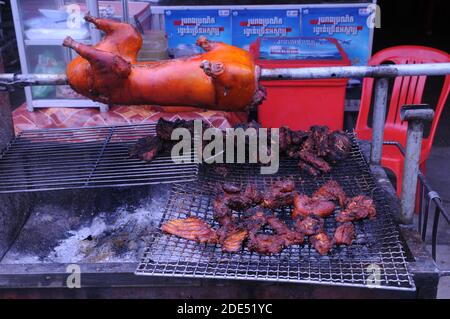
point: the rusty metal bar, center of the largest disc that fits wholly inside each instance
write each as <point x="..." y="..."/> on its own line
<point x="416" y="115"/>
<point x="10" y="80"/>
<point x="379" y="116"/>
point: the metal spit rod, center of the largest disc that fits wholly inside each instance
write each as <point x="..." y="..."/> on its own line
<point x="382" y="73"/>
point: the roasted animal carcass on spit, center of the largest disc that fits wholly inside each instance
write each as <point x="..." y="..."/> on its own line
<point x="223" y="78"/>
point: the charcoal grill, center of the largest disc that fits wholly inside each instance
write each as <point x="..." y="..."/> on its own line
<point x="89" y="157"/>
<point x="377" y="244"/>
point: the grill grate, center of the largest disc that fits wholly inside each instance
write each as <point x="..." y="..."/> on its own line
<point x="377" y="244"/>
<point x="92" y="157"/>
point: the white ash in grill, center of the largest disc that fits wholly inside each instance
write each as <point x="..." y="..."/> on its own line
<point x="81" y="231"/>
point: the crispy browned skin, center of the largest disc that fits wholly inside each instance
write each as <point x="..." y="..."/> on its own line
<point x="358" y="207"/>
<point x="321" y="243"/>
<point x="331" y="191"/>
<point x="310" y="225"/>
<point x="305" y="206"/>
<point x="225" y="77"/>
<point x="191" y="228"/>
<point x="344" y="234"/>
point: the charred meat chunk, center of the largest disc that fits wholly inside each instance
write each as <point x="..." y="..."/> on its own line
<point x="340" y="146"/>
<point x="164" y="128"/>
<point x="331" y="191"/>
<point x="308" y="168"/>
<point x="291" y="237"/>
<point x="230" y="188"/>
<point x="221" y="212"/>
<point x="265" y="244"/>
<point x="146" y="148"/>
<point x="191" y="228"/>
<point x="305" y="206"/>
<point x="358" y="208"/>
<point x="280" y="194"/>
<point x="344" y="234"/>
<point x="321" y="243"/>
<point x="310" y="225"/>
<point x="315" y="161"/>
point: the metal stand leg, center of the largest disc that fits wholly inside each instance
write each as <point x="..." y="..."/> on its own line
<point x="415" y="115"/>
<point x="379" y="116"/>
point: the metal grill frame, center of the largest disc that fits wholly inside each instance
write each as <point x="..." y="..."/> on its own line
<point x="176" y="257"/>
<point x="88" y="157"/>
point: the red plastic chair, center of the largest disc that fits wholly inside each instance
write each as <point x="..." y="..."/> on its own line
<point x="406" y="90"/>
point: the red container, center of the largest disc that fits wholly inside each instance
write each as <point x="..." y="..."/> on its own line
<point x="299" y="104"/>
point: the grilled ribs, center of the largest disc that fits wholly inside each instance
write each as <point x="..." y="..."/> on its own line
<point x="191" y="228"/>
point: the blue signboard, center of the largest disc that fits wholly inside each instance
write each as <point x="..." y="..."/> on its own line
<point x="249" y="24"/>
<point x="298" y="48"/>
<point x="183" y="27"/>
<point x="346" y="24"/>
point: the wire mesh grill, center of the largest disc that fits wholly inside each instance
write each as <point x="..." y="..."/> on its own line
<point x="376" y="258"/>
<point x="91" y="157"/>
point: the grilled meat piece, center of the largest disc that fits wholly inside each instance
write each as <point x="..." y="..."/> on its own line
<point x="321" y="243"/>
<point x="315" y="161"/>
<point x="164" y="128"/>
<point x="280" y="194"/>
<point x="298" y="137"/>
<point x="238" y="200"/>
<point x="310" y="225"/>
<point x="265" y="244"/>
<point x="253" y="194"/>
<point x="291" y="237"/>
<point x="277" y="200"/>
<point x="230" y="188"/>
<point x="344" y="234"/>
<point x="146" y="148"/>
<point x="221" y="212"/>
<point x="358" y="207"/>
<point x="233" y="240"/>
<point x="285" y="139"/>
<point x="305" y="206"/>
<point x="308" y="168"/>
<point x="254" y="219"/>
<point x="191" y="228"/>
<point x="320" y="136"/>
<point x="331" y="191"/>
<point x="340" y="146"/>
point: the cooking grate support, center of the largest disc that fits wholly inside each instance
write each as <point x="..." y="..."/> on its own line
<point x="377" y="246"/>
<point x="89" y="157"/>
